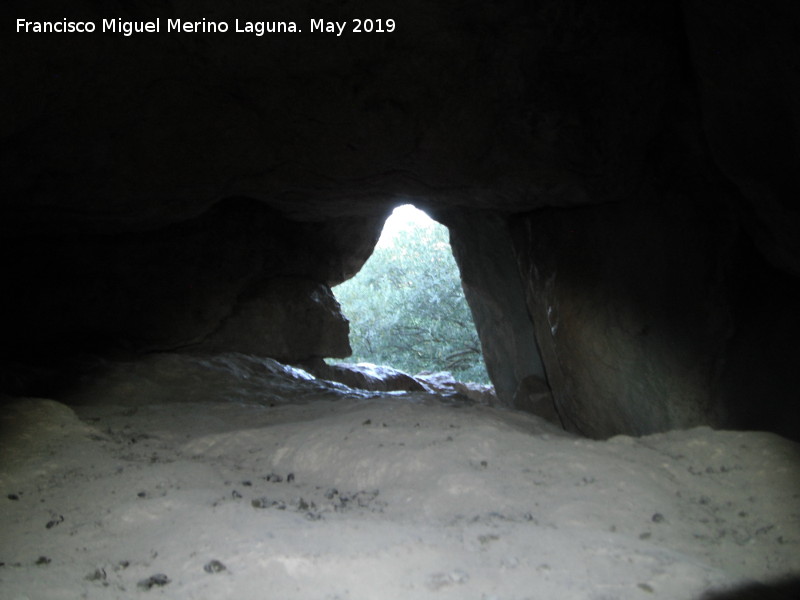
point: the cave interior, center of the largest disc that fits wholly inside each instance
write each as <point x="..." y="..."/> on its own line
<point x="619" y="181"/>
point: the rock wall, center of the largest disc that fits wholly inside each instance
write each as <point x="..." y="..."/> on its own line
<point x="489" y="275"/>
<point x="744" y="58"/>
<point x="205" y="191"/>
<point x="629" y="312"/>
<point x="287" y="318"/>
<point x="651" y="317"/>
<point x="501" y="104"/>
<point x="239" y="277"/>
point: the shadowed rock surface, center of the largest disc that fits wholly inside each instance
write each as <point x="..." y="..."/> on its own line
<point x="620" y="180"/>
<point x="366" y="376"/>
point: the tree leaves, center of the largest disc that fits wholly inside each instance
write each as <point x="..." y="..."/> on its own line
<point x="407" y="308"/>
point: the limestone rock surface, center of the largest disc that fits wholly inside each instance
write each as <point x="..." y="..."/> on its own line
<point x="288" y="319"/>
<point x="366" y="376"/>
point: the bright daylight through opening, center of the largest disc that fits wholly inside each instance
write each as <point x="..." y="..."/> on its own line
<point x="406" y="306"/>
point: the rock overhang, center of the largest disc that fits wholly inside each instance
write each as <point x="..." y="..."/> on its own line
<point x="282" y="153"/>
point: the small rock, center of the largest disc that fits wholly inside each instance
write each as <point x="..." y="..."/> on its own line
<point x="43" y="560"/>
<point x="364" y="498"/>
<point x="157" y="580"/>
<point x="438" y="581"/>
<point x="214" y="566"/>
<point x="13" y="497"/>
<point x="56" y="520"/>
<point x="98" y="575"/>
<point x="290" y="478"/>
<point x="658" y="518"/>
<point x="267" y="503"/>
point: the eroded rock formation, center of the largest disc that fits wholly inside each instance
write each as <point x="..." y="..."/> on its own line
<point x="239" y="277"/>
<point x="482" y="248"/>
<point x="366" y="376"/>
<point x="619" y="178"/>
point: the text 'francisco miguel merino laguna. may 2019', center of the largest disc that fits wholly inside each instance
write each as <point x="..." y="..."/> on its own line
<point x="258" y="28"/>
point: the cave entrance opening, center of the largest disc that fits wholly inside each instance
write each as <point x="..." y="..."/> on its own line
<point x="406" y="306"/>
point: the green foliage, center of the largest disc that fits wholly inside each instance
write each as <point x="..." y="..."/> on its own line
<point x="407" y="308"/>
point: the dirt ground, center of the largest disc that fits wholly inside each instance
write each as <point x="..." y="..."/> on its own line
<point x="231" y="477"/>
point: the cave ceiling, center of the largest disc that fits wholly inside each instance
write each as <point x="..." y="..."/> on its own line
<point x="501" y="105"/>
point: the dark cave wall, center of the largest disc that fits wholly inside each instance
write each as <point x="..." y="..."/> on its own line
<point x="756" y="385"/>
<point x="630" y="310"/>
<point x="745" y="58"/>
<point x="659" y="315"/>
<point x="205" y="192"/>
<point x="493" y="105"/>
<point x="240" y="277"/>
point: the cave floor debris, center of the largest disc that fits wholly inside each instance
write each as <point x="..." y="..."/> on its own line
<point x="379" y="496"/>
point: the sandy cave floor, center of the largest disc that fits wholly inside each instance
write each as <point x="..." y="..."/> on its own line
<point x="226" y="478"/>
